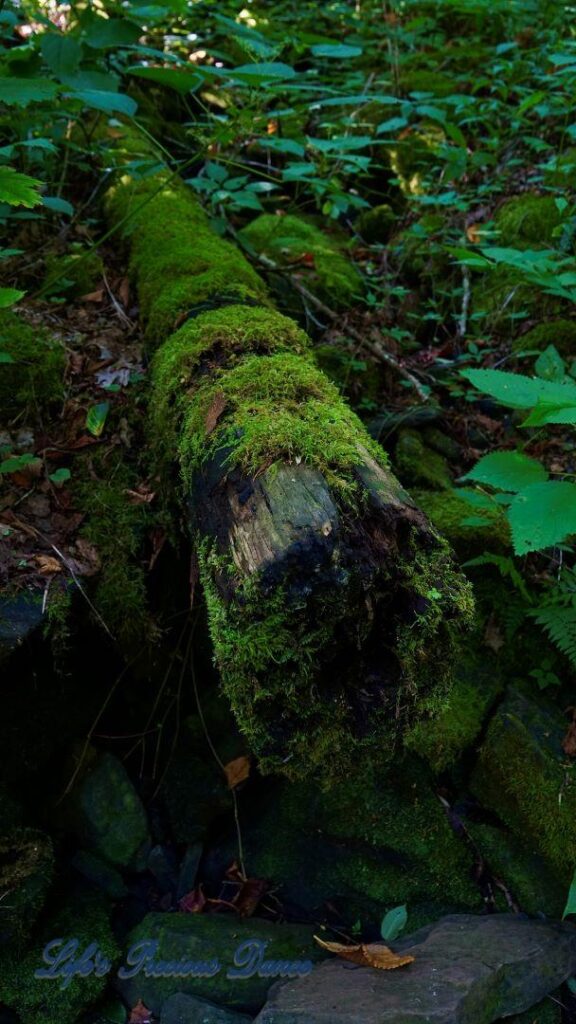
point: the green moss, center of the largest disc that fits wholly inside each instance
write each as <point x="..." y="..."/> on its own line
<point x="525" y="874"/>
<point x="523" y="775"/>
<point x="560" y="333"/>
<point x="33" y="381"/>
<point x="26" y="868"/>
<point x="43" y="1001"/>
<point x="376" y="225"/>
<point x="76" y="273"/>
<point x="294" y="243"/>
<point x="372" y="842"/>
<point x="176" y="258"/>
<point x="417" y="464"/>
<point x="448" y="513"/>
<point x="414" y="155"/>
<point x="455" y="721"/>
<point x="277" y="407"/>
<point x="503" y="296"/>
<point x="527" y="221"/>
<point x="433" y="82"/>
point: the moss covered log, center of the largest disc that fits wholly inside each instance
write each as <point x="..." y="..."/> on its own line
<point x="334" y="606"/>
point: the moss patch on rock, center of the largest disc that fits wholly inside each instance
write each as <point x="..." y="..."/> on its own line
<point x="376" y="226"/>
<point x="503" y="297"/>
<point x="487" y="530"/>
<point x="522" y="774"/>
<point x="527" y="221"/>
<point x="26" y="869"/>
<point x="32" y="379"/>
<point x="299" y="247"/>
<point x="560" y="333"/>
<point x="418" y="465"/>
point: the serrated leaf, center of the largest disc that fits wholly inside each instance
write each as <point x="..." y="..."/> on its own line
<point x="18" y="189"/>
<point x="519" y="391"/>
<point x="19" y="92"/>
<point x="393" y="923"/>
<point x="542" y="515"/>
<point x="61" y="53"/>
<point x="96" y="418"/>
<point x="8" y="296"/>
<point x="507" y="471"/>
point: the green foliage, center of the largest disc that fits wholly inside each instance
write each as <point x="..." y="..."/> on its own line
<point x="393" y="923"/>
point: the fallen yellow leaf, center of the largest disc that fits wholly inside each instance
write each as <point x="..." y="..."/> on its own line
<point x="372" y="955"/>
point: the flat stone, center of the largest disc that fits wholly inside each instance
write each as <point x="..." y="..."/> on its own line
<point x="182" y="1009"/>
<point x="467" y="970"/>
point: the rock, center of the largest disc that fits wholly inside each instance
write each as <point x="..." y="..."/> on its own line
<point x="361" y="847"/>
<point x="99" y="873"/>
<point x="105" y="812"/>
<point x="213" y="940"/>
<point x="467" y="970"/>
<point x="182" y="1009"/>
<point x="19" y="617"/>
<point x="549" y="1011"/>
<point x="189" y="869"/>
<point x="521" y="775"/>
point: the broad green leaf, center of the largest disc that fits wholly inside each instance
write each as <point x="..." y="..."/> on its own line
<point x="62" y="53"/>
<point x="550" y="365"/>
<point x="173" y="78"/>
<point x="18" y="189"/>
<point x="393" y="124"/>
<point x="254" y="74"/>
<point x="570" y="907"/>
<point x="57" y="205"/>
<point x="109" y="102"/>
<point x="508" y="471"/>
<point x="8" y="296"/>
<point x="542" y="515"/>
<point x="279" y="145"/>
<point x="103" y="33"/>
<point x="5" y="357"/>
<point x="519" y="391"/>
<point x="543" y="413"/>
<point x="19" y="92"/>
<point x="336" y="50"/>
<point x="60" y="476"/>
<point x="96" y="418"/>
<point x="393" y="923"/>
<point x="16" y="462"/>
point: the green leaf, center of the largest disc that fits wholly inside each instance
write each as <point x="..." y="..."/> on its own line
<point x="519" y="391"/>
<point x="570" y="907"/>
<point x="173" y="78"/>
<point x="8" y="296"/>
<point x="543" y="413"/>
<point x="96" y="418"/>
<point x="103" y="33"/>
<point x="16" y="462"/>
<point x="550" y="365"/>
<point x="393" y="923"/>
<point x="335" y="50"/>
<point x="542" y="515"/>
<point x="57" y="205"/>
<point x="61" y="53"/>
<point x="507" y="471"/>
<point x="110" y="102"/>
<point x="18" y="189"/>
<point x="60" y="476"/>
<point x="254" y="74"/>
<point x="5" y="357"/>
<point x="19" y="92"/>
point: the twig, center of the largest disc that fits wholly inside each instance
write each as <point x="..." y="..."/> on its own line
<point x="463" y="321"/>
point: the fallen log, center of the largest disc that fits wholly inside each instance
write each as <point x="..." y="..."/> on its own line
<point x="334" y="607"/>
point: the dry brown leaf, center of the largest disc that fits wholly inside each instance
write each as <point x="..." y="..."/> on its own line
<point x="47" y="565"/>
<point x="193" y="902"/>
<point x="493" y="636"/>
<point x="215" y="411"/>
<point x="237" y="771"/>
<point x="474" y="233"/>
<point x="372" y="955"/>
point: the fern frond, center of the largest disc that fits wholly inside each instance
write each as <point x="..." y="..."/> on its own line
<point x="560" y="625"/>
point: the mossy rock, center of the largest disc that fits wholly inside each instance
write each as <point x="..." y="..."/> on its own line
<point x="526" y="875"/>
<point x="373" y="841"/>
<point x="299" y="247"/>
<point x="549" y="1011"/>
<point x="470" y="530"/>
<point x="418" y="465"/>
<point x="26" y="869"/>
<point x="376" y="226"/>
<point x="528" y="222"/>
<point x="502" y="297"/>
<point x="213" y="939"/>
<point x="179" y="262"/>
<point x="560" y="333"/>
<point x="456" y="721"/>
<point x="522" y="774"/>
<point x="32" y="380"/>
<point x="105" y="812"/>
<point x="414" y="155"/>
<point x="44" y="1001"/>
<point x="75" y="273"/>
